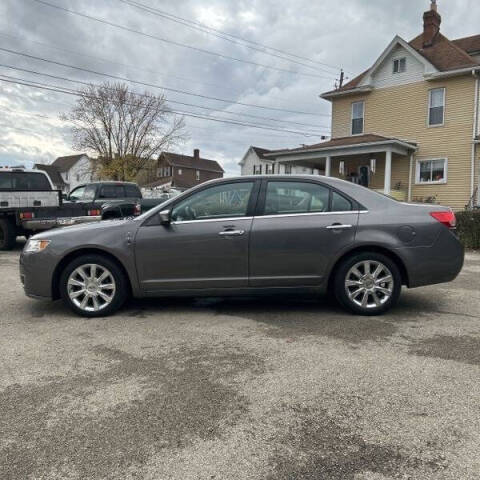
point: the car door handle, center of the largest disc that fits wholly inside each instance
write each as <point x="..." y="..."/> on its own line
<point x="338" y="226"/>
<point x="231" y="233"/>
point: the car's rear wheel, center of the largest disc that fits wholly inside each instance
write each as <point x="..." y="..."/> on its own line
<point x="8" y="234"/>
<point x="93" y="286"/>
<point x="368" y="283"/>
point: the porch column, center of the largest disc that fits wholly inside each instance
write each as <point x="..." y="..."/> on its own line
<point x="328" y="166"/>
<point x="388" y="173"/>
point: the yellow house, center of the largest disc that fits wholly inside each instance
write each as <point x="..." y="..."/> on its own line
<point x="409" y="125"/>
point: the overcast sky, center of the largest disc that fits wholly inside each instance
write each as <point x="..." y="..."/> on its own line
<point x="349" y="34"/>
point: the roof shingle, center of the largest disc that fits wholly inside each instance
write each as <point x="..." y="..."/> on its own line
<point x="186" y="161"/>
<point x="66" y="163"/>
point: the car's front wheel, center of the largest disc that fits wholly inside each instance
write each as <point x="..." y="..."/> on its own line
<point x="93" y="286"/>
<point x="368" y="283"/>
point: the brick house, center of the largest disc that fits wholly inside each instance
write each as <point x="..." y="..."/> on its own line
<point x="409" y="125"/>
<point x="183" y="171"/>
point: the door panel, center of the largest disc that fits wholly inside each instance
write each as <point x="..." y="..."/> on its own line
<point x="205" y="245"/>
<point x="193" y="255"/>
<point x="295" y="250"/>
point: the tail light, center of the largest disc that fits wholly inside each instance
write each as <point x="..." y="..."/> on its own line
<point x="94" y="213"/>
<point x="137" y="210"/>
<point x="446" y="217"/>
<point x="27" y="215"/>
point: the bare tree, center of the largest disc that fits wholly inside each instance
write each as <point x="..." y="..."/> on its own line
<point x="124" y="130"/>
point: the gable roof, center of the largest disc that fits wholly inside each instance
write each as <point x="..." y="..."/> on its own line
<point x="66" y="163"/>
<point x="52" y="172"/>
<point x="186" y="161"/>
<point x="469" y="44"/>
<point x="444" y="55"/>
<point x="260" y="152"/>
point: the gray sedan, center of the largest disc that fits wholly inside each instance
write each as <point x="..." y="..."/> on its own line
<point x="250" y="235"/>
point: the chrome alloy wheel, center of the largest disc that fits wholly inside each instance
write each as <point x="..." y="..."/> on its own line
<point x="91" y="287"/>
<point x="369" y="284"/>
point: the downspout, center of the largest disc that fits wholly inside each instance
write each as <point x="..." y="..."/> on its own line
<point x="474" y="137"/>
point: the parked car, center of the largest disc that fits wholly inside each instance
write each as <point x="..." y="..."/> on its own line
<point x="114" y="199"/>
<point x="251" y="235"/>
<point x="29" y="203"/>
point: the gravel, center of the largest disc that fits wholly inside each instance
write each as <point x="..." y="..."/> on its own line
<point x="270" y="388"/>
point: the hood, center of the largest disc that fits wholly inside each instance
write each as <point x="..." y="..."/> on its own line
<point x="84" y="229"/>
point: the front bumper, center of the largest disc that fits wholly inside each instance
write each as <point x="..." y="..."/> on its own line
<point x="36" y="274"/>
<point x="48" y="223"/>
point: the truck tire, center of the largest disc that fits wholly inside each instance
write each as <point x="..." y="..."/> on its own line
<point x="8" y="234"/>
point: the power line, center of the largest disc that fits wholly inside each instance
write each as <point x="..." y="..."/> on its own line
<point x="54" y="88"/>
<point x="177" y="44"/>
<point x="126" y="65"/>
<point x="146" y="84"/>
<point x="57" y="77"/>
<point x="217" y="34"/>
<point x="106" y="60"/>
<point x="192" y="23"/>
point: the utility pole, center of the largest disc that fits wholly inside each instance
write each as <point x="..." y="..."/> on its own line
<point x="342" y="77"/>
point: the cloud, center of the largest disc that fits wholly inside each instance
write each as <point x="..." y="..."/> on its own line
<point x="350" y="34"/>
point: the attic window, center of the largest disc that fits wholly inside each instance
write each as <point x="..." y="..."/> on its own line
<point x="400" y="65"/>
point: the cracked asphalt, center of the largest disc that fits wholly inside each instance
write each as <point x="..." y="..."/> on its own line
<point x="272" y="388"/>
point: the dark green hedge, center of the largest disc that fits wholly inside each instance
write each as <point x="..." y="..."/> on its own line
<point x="468" y="228"/>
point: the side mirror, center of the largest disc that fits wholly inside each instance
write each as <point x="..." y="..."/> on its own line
<point x="64" y="196"/>
<point x="165" y="217"/>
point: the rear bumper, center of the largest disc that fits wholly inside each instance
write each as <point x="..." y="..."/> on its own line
<point x="439" y="263"/>
<point x="47" y="223"/>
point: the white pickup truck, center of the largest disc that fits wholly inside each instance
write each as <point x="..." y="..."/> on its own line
<point x="29" y="203"/>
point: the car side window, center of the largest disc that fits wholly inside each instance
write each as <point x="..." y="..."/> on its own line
<point x="340" y="203"/>
<point x="77" y="194"/>
<point x="112" y="191"/>
<point x="296" y="197"/>
<point x="132" y="191"/>
<point x="220" y="201"/>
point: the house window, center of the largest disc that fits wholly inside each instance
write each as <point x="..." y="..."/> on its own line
<point x="257" y="169"/>
<point x="400" y="65"/>
<point x="436" y="107"/>
<point x="432" y="171"/>
<point x="179" y="171"/>
<point x="66" y="175"/>
<point x="198" y="175"/>
<point x="288" y="169"/>
<point x="357" y="117"/>
<point x="269" y="169"/>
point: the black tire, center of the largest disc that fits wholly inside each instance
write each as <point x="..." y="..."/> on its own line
<point x="377" y="302"/>
<point x="8" y="234"/>
<point x="119" y="295"/>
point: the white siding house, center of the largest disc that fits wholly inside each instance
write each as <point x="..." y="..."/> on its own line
<point x="74" y="170"/>
<point x="254" y="162"/>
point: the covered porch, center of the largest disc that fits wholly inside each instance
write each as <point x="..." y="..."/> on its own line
<point x="380" y="163"/>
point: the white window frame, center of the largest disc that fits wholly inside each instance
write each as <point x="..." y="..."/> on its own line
<point x="179" y="171"/>
<point x="430" y="103"/>
<point x="398" y="61"/>
<point x="269" y="166"/>
<point x="363" y="118"/>
<point x="197" y="175"/>
<point x="432" y="182"/>
<point x="290" y="169"/>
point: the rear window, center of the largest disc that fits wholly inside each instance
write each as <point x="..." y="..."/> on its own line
<point x="23" y="181"/>
<point x="132" y="191"/>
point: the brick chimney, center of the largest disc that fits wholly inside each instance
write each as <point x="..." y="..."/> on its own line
<point x="431" y="24"/>
<point x="196" y="154"/>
